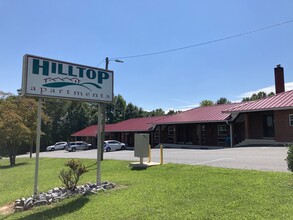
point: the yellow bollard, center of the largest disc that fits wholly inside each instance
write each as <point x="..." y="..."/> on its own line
<point x="150" y="153"/>
<point x="161" y="150"/>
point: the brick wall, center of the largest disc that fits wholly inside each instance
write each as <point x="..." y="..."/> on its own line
<point x="283" y="132"/>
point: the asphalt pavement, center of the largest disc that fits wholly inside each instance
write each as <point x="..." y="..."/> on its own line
<point x="252" y="158"/>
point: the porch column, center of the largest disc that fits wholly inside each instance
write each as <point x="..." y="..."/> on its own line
<point x="231" y="125"/>
<point x="152" y="138"/>
<point x="185" y="134"/>
<point x="246" y="124"/>
<point x="199" y="134"/>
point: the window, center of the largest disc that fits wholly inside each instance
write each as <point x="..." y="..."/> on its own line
<point x="291" y="120"/>
<point x="171" y="132"/>
<point x="203" y="129"/>
<point x="270" y="121"/>
<point x="222" y="130"/>
<point x="156" y="137"/>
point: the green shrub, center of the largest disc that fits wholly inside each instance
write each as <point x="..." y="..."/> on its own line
<point x="289" y="158"/>
<point x="72" y="175"/>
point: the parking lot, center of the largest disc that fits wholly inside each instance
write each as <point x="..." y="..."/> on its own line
<point x="254" y="158"/>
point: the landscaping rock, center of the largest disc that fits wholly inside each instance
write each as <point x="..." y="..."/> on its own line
<point x="59" y="193"/>
<point x="18" y="208"/>
<point x="40" y="202"/>
<point x="28" y="203"/>
<point x="19" y="202"/>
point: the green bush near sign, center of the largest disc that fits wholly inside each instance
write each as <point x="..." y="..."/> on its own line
<point x="70" y="177"/>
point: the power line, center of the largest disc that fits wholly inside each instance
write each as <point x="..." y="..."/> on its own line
<point x="205" y="43"/>
<point x="102" y="61"/>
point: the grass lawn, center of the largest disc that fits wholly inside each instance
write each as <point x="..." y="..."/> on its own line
<point x="162" y="192"/>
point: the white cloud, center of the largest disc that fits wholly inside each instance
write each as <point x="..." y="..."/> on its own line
<point x="182" y="101"/>
<point x="288" y="86"/>
<point x="184" y="106"/>
<point x="181" y="108"/>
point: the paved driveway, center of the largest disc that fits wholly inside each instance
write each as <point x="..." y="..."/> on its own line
<point x="254" y="158"/>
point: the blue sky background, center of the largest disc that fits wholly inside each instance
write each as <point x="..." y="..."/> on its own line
<point x="85" y="32"/>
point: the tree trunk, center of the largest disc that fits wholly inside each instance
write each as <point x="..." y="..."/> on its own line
<point x="12" y="154"/>
<point x="31" y="148"/>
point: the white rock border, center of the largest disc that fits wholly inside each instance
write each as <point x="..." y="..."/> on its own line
<point x="59" y="193"/>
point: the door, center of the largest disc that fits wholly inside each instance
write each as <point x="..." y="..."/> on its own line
<point x="268" y="126"/>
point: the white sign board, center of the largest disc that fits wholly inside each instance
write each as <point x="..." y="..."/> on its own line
<point x="43" y="77"/>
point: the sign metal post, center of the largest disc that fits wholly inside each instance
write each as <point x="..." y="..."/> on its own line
<point x="99" y="143"/>
<point x="38" y="147"/>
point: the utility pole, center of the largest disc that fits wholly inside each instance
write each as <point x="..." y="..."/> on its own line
<point x="101" y="129"/>
<point x="101" y="134"/>
<point x="103" y="106"/>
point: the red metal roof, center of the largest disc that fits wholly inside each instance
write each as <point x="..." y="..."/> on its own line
<point x="134" y="124"/>
<point x="279" y="101"/>
<point x="213" y="113"/>
<point x="90" y="131"/>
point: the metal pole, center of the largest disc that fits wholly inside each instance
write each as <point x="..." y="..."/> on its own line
<point x="107" y="63"/>
<point x="161" y="151"/>
<point x="38" y="147"/>
<point x="231" y="135"/>
<point x="103" y="107"/>
<point x="100" y="134"/>
<point x="99" y="152"/>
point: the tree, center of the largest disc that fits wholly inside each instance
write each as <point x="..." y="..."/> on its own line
<point x="76" y="118"/>
<point x="206" y="103"/>
<point x="131" y="111"/>
<point x="156" y="112"/>
<point x="257" y="96"/>
<point x="119" y="108"/>
<point x="141" y="113"/>
<point x="271" y="94"/>
<point x="57" y="111"/>
<point x="17" y="124"/>
<point x="4" y="95"/>
<point x="222" y="100"/>
<point x="171" y="112"/>
<point x="29" y="107"/>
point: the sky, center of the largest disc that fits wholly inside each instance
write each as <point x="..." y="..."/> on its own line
<point x="86" y="32"/>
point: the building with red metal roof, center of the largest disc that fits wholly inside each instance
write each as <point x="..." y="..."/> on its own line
<point x="212" y="114"/>
<point x="205" y="125"/>
<point x="123" y="131"/>
<point x="280" y="101"/>
<point x="269" y="119"/>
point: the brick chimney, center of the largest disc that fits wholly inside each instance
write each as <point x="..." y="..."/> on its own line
<point x="279" y="79"/>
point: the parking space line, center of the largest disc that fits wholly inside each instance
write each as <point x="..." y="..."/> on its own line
<point x="210" y="161"/>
